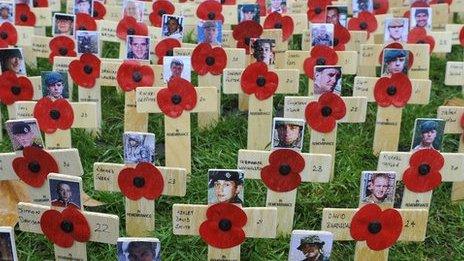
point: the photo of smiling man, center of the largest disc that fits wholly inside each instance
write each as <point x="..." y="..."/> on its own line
<point x="378" y="187"/>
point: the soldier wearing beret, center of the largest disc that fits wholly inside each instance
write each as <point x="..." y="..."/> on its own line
<point x="64" y="24"/>
<point x="428" y="134"/>
<point x="395" y="61"/>
<point x="421" y="16"/>
<point x="23" y="136"/>
<point x="54" y="83"/>
<point x="395" y="29"/>
<point x="82" y="6"/>
<point x="311" y="246"/>
<point x="227" y="186"/>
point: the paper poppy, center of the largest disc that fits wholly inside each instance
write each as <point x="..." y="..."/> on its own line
<point x="24" y="16"/>
<point x="145" y="180"/>
<point x="63" y="228"/>
<point x="228" y="2"/>
<point x="129" y="26"/>
<point x="210" y="10"/>
<point x="316" y="10"/>
<point x="320" y="55"/>
<point x="166" y="48"/>
<point x="380" y="229"/>
<point x="395" y="90"/>
<point x="365" y="21"/>
<point x="40" y="3"/>
<point x="283" y="172"/>
<point x="423" y="173"/>
<point x="244" y="31"/>
<point x="85" y="22"/>
<point x="160" y="8"/>
<point x="14" y="88"/>
<point x="399" y="46"/>
<point x="86" y="70"/>
<point x="8" y="33"/>
<point x="380" y="7"/>
<point x="435" y="2"/>
<point x="461" y="36"/>
<point x="257" y="80"/>
<point x="262" y="7"/>
<point x="53" y="115"/>
<point x="207" y="59"/>
<point x="99" y="10"/>
<point x="341" y="37"/>
<point x="132" y="74"/>
<point x="61" y="46"/>
<point x="34" y="166"/>
<point x="223" y="227"/>
<point x="322" y="115"/>
<point x="180" y="95"/>
<point x="419" y="35"/>
<point x="276" y="21"/>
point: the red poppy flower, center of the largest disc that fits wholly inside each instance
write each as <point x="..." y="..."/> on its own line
<point x="13" y="88"/>
<point x="228" y="2"/>
<point x="207" y="59"/>
<point x="34" y="166"/>
<point x="395" y="90"/>
<point x="262" y="7"/>
<point x="210" y="10"/>
<point x="166" y="48"/>
<point x="423" y="173"/>
<point x="132" y="74"/>
<point x="320" y="55"/>
<point x="316" y="10"/>
<point x="399" y="46"/>
<point x="86" y="70"/>
<point x="85" y="22"/>
<point x="419" y="35"/>
<point x="435" y="2"/>
<point x="40" y="3"/>
<point x="61" y="46"/>
<point x="277" y="21"/>
<point x="8" y="33"/>
<point x="160" y="8"/>
<point x="129" y="26"/>
<point x="52" y="115"/>
<point x="23" y="15"/>
<point x="257" y="80"/>
<point x="341" y="37"/>
<point x="380" y="229"/>
<point x="365" y="21"/>
<point x="461" y="36"/>
<point x="145" y="180"/>
<point x="244" y="31"/>
<point x="283" y="172"/>
<point x="223" y="227"/>
<point x="322" y="115"/>
<point x="180" y="95"/>
<point x="99" y="10"/>
<point x="63" y="228"/>
<point x="380" y="7"/>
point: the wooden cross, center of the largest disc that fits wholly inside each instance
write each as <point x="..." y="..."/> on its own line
<point x="177" y="129"/>
<point x="261" y="223"/>
<point x="388" y="121"/>
<point x="8" y="248"/>
<point x="140" y="213"/>
<point x="454" y="75"/>
<point x="338" y="221"/>
<point x="317" y="168"/>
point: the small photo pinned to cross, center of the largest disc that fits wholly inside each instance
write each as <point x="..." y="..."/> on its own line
<point x="288" y="133"/>
<point x="225" y="186"/>
<point x="378" y="187"/>
<point x="7" y="244"/>
<point x="310" y="245"/>
<point x="12" y="59"/>
<point x="55" y="85"/>
<point x="138" y="147"/>
<point x="24" y="133"/>
<point x="65" y="193"/>
<point x="138" y="249"/>
<point x="88" y="42"/>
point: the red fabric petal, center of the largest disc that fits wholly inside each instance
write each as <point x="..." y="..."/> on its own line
<point x="24" y="16"/>
<point x="210" y="10"/>
<point x="128" y="24"/>
<point x="361" y="220"/>
<point x="181" y="88"/>
<point x="125" y="182"/>
<point x="341" y="37"/>
<point x="60" y="43"/>
<point x="276" y="20"/>
<point x="380" y="7"/>
<point x="9" y="31"/>
<point x="50" y="223"/>
<point x="79" y="74"/>
<point x="199" y="55"/>
<point x="316" y="10"/>
<point x="315" y="118"/>
<point x="419" y="35"/>
<point x="271" y="176"/>
<point x="159" y="8"/>
<point x="322" y="54"/>
<point x="365" y="21"/>
<point x="67" y="114"/>
<point x="249" y="78"/>
<point x="153" y="186"/>
<point x="165" y="47"/>
<point x="36" y="156"/>
<point x="85" y="22"/>
<point x="403" y="90"/>
<point x="47" y="124"/>
<point x="220" y="62"/>
<point x="99" y="10"/>
<point x="244" y="31"/>
<point x="9" y="80"/>
<point x="417" y="182"/>
<point x="461" y="36"/>
<point x="81" y="228"/>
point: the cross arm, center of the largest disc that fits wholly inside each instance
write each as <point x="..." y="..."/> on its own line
<point x="348" y="60"/>
<point x="452" y="116"/>
<point x="454" y="75"/>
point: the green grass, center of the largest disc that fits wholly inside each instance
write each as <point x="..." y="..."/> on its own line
<point x="218" y="147"/>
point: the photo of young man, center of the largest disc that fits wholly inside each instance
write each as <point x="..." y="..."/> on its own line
<point x="225" y="186"/>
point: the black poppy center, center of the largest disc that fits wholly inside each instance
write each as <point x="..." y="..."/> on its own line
<point x="34" y="166"/>
<point x="336" y="41"/>
<point x="54" y="114"/>
<point x="176" y="99"/>
<point x="138" y="182"/>
<point x="320" y="61"/>
<point x="318" y="10"/>
<point x="374" y="227"/>
<point x="247" y="40"/>
<point x="3" y="35"/>
<point x="137" y="76"/>
<point x="16" y="90"/>
<point x="211" y="15"/>
<point x="278" y="25"/>
<point x="210" y="60"/>
<point x="67" y="226"/>
<point x="130" y="31"/>
<point x="161" y="12"/>
<point x="285" y="169"/>
<point x="225" y="225"/>
<point x="88" y="69"/>
<point x="170" y="52"/>
<point x="261" y="81"/>
<point x="391" y="90"/>
<point x="23" y="17"/>
<point x="63" y="51"/>
<point x="326" y="111"/>
<point x="421" y="42"/>
<point x="95" y="13"/>
<point x="376" y="5"/>
<point x="82" y="28"/>
<point x="424" y="169"/>
<point x="363" y="25"/>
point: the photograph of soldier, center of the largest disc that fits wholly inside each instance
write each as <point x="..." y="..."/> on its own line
<point x="209" y="32"/>
<point x="24" y="133"/>
<point x="65" y="193"/>
<point x="134" y="9"/>
<point x="88" y="42"/>
<point x="395" y="61"/>
<point x="12" y="59"/>
<point x="336" y="14"/>
<point x="248" y="12"/>
<point x="327" y="79"/>
<point x="139" y="249"/>
<point x="310" y="245"/>
<point x="288" y="133"/>
<point x="176" y="66"/>
<point x="428" y="134"/>
<point x="378" y="187"/>
<point x="138" y="47"/>
<point x="362" y="5"/>
<point x="7" y="244"/>
<point x="279" y="6"/>
<point x="421" y="17"/>
<point x="55" y="85"/>
<point x="225" y="186"/>
<point x="83" y="6"/>
<point x="396" y="30"/>
<point x="7" y="12"/>
<point x="63" y="24"/>
<point x="263" y="50"/>
<point x="322" y="34"/>
<point x="138" y="147"/>
<point x="173" y="27"/>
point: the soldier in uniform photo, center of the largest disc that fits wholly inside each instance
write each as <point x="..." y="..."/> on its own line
<point x="176" y="67"/>
<point x="225" y="186"/>
<point x="288" y="134"/>
<point x="430" y="135"/>
<point x="395" y="61"/>
<point x="327" y="79"/>
<point x="396" y="30"/>
<point x="65" y="195"/>
<point x="138" y="147"/>
<point x="209" y="32"/>
<point x="421" y="17"/>
<point x="55" y="85"/>
<point x="378" y="189"/>
<point x="311" y="247"/>
<point x="83" y="6"/>
<point x="63" y="24"/>
<point x="12" y="60"/>
<point x="322" y="34"/>
<point x="22" y="135"/>
<point x="6" y="13"/>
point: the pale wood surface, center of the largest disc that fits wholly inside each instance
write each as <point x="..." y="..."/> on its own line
<point x="387" y="129"/>
<point x="177" y="138"/>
